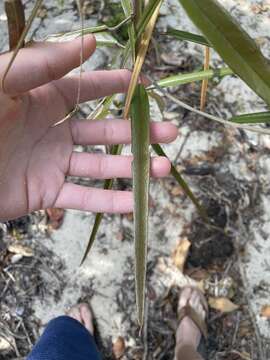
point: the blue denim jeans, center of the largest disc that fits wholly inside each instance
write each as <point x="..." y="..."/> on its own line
<point x="65" y="339"/>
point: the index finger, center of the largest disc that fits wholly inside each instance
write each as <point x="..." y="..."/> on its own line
<point x="42" y="62"/>
<point x="93" y="85"/>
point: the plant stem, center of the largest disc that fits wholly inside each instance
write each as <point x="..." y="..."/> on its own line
<point x="138" y="9"/>
<point x="16" y="21"/>
<point x="205" y="81"/>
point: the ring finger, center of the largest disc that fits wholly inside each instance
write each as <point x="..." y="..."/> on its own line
<point x="101" y="166"/>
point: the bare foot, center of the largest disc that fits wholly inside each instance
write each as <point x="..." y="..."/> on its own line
<point x="83" y="314"/>
<point x="188" y="332"/>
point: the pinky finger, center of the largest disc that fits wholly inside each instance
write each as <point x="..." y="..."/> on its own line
<point x="78" y="197"/>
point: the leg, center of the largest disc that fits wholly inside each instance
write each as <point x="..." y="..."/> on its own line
<point x="192" y="310"/>
<point x="68" y="337"/>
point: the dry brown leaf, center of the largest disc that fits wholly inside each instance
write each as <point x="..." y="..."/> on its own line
<point x="129" y="216"/>
<point x="245" y="329"/>
<point x="180" y="253"/>
<point x="243" y="355"/>
<point x="20" y="250"/>
<point x="222" y="304"/>
<point x="176" y="191"/>
<point x="197" y="274"/>
<point x="56" y="217"/>
<point x="200" y="285"/>
<point x="119" y="347"/>
<point x="120" y="236"/>
<point x="265" y="311"/>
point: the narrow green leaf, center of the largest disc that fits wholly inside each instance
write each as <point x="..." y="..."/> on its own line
<point x="102" y="109"/>
<point x="127" y="7"/>
<point x="140" y="125"/>
<point x="181" y="79"/>
<point x="146" y="16"/>
<point x="140" y="27"/>
<point x="99" y="113"/>
<point x="95" y="228"/>
<point x="159" y="151"/>
<point x="106" y="39"/>
<point x="158" y="99"/>
<point x="128" y="10"/>
<point x="108" y="184"/>
<point x="255" y="118"/>
<point x="138" y="9"/>
<point x="103" y="37"/>
<point x="184" y="35"/>
<point x="232" y="43"/>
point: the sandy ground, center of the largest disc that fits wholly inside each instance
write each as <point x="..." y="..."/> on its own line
<point x="109" y="267"/>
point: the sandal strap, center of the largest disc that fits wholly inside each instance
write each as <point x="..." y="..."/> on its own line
<point x="188" y="311"/>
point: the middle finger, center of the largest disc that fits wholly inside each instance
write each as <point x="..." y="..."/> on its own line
<point x="101" y="166"/>
<point x="109" y="132"/>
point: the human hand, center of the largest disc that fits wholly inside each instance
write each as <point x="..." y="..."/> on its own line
<point x="35" y="158"/>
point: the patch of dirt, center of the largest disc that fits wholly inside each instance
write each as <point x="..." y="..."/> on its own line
<point x="23" y="279"/>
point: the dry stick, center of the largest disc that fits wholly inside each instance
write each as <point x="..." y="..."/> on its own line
<point x="236" y="328"/>
<point x="205" y="81"/>
<point x="76" y="108"/>
<point x="11" y="333"/>
<point x="26" y="334"/>
<point x="16" y="21"/>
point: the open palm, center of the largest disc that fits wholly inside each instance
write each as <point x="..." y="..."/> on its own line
<point x="35" y="157"/>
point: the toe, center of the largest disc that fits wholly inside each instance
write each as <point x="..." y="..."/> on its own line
<point x="87" y="317"/>
<point x="74" y="313"/>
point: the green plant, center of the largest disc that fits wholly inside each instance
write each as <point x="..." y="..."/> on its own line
<point x="221" y="32"/>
